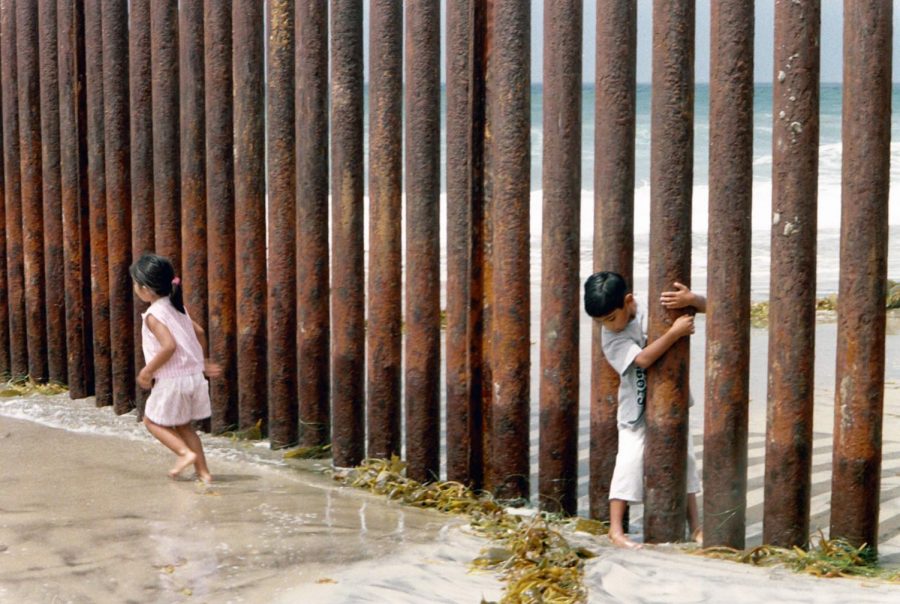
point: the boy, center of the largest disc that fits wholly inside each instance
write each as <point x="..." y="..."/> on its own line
<point x="607" y="299"/>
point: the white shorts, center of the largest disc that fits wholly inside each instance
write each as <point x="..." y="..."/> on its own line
<point x="627" y="481"/>
<point x="175" y="401"/>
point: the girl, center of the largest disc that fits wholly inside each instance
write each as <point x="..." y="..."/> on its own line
<point x="174" y="350"/>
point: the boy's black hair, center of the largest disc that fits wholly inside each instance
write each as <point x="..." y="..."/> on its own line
<point x="157" y="273"/>
<point x="604" y="292"/>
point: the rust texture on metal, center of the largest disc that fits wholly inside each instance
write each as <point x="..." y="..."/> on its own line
<point x="143" y="239"/>
<point x="859" y="388"/>
<point x="282" y="277"/>
<point x="560" y="284"/>
<point x="193" y="160"/>
<point x="4" y="291"/>
<point x="222" y="332"/>
<point x="118" y="200"/>
<point x="482" y="251"/>
<point x="423" y="279"/>
<point x="508" y="105"/>
<point x="347" y="301"/>
<point x="166" y="148"/>
<point x="250" y="205"/>
<point x="383" y="334"/>
<point x="96" y="168"/>
<point x="28" y="80"/>
<point x="74" y="198"/>
<point x="728" y="280"/>
<point x="313" y="318"/>
<point x="795" y="140"/>
<point x="52" y="211"/>
<point x="671" y="161"/>
<point x="614" y="125"/>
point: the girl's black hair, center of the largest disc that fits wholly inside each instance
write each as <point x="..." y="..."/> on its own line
<point x="157" y="273"/>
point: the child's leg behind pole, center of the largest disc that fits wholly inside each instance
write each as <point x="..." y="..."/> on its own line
<point x="617" y="534"/>
<point x="192" y="440"/>
<point x="171" y="438"/>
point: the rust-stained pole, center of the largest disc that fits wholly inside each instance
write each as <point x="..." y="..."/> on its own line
<point x="143" y="239"/>
<point x="166" y="154"/>
<point x="859" y="389"/>
<point x="795" y="140"/>
<point x="193" y="160"/>
<point x="28" y="69"/>
<point x="313" y="319"/>
<point x="383" y="337"/>
<point x="671" y="172"/>
<point x="560" y="307"/>
<point x="348" y="352"/>
<point x="4" y="289"/>
<point x="614" y="118"/>
<point x="96" y="168"/>
<point x="118" y="202"/>
<point x="728" y="281"/>
<point x="282" y="278"/>
<point x="222" y="333"/>
<point x="73" y="186"/>
<point x="53" y="225"/>
<point x="508" y="100"/>
<point x="423" y="280"/>
<point x="250" y="200"/>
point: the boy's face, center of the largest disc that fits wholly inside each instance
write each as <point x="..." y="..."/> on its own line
<point x="619" y="318"/>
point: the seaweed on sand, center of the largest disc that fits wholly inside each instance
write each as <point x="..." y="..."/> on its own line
<point x="26" y="386"/>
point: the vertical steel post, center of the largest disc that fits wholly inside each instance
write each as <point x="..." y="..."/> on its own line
<point x="383" y="332"/>
<point x="73" y="187"/>
<point x="222" y="332"/>
<point x="28" y="68"/>
<point x="795" y="138"/>
<point x="118" y="199"/>
<point x="348" y="352"/>
<point x="282" y="277"/>
<point x="728" y="281"/>
<point x="166" y="149"/>
<point x="96" y="168"/>
<point x="53" y="225"/>
<point x="423" y="280"/>
<point x="614" y="124"/>
<point x="313" y="320"/>
<point x="4" y="288"/>
<point x="508" y="100"/>
<point x="250" y="206"/>
<point x="560" y="240"/>
<point x="859" y="389"/>
<point x="671" y="174"/>
<point x="143" y="239"/>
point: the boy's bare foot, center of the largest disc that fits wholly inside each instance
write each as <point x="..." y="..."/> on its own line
<point x="184" y="460"/>
<point x="622" y="540"/>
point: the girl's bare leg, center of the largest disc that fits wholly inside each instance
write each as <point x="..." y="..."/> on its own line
<point x="616" y="530"/>
<point x="693" y="518"/>
<point x="192" y="440"/>
<point x="175" y="443"/>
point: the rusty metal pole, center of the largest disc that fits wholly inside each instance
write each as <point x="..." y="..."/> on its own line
<point x="383" y="334"/>
<point x="222" y="333"/>
<point x="671" y="174"/>
<point x="4" y="288"/>
<point x="795" y="138"/>
<point x="250" y="206"/>
<point x="28" y="68"/>
<point x="282" y="283"/>
<point x="118" y="200"/>
<point x="614" y="117"/>
<point x="96" y="167"/>
<point x="859" y="389"/>
<point x="560" y="240"/>
<point x="728" y="281"/>
<point x="53" y="225"/>
<point x="508" y="99"/>
<point x="423" y="279"/>
<point x="166" y="148"/>
<point x="313" y="319"/>
<point x="143" y="238"/>
<point x="73" y="187"/>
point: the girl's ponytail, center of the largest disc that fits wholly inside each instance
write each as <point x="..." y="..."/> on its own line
<point x="177" y="295"/>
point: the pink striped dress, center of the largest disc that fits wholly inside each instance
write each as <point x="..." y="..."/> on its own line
<point x="180" y="391"/>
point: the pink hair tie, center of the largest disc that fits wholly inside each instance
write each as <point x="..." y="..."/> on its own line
<point x="176" y="281"/>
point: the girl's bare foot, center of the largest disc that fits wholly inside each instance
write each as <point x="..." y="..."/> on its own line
<point x="204" y="477"/>
<point x="622" y="540"/>
<point x="697" y="537"/>
<point x="184" y="460"/>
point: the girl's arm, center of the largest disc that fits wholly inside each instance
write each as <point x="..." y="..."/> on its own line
<point x="167" y="349"/>
<point x="681" y="297"/>
<point x="201" y="336"/>
<point x="209" y="368"/>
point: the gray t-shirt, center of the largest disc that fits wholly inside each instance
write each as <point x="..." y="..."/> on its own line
<point x="620" y="349"/>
